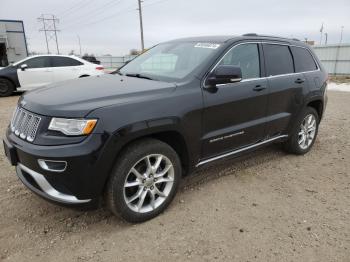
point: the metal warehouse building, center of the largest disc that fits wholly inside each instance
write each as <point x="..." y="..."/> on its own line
<point x="335" y="58"/>
<point x="13" y="45"/>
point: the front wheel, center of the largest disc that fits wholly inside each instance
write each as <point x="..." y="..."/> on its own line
<point x="144" y="180"/>
<point x="6" y="87"/>
<point x="304" y="133"/>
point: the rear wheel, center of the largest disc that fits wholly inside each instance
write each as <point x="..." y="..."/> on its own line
<point x="6" y="87"/>
<point x="144" y="180"/>
<point x="304" y="134"/>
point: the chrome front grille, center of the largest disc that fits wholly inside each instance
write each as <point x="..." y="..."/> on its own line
<point x="25" y="124"/>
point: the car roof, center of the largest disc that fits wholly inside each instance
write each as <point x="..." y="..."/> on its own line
<point x="33" y="56"/>
<point x="233" y="38"/>
<point x="213" y="38"/>
<point x="52" y="55"/>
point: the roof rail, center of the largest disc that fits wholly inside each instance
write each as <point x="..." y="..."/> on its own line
<point x="250" y="34"/>
<point x="278" y="37"/>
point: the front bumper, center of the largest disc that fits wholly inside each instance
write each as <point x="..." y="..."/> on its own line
<point x="82" y="182"/>
<point x="39" y="185"/>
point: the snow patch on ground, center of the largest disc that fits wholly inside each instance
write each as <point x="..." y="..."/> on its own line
<point x="339" y="87"/>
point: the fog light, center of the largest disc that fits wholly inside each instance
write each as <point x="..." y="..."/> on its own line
<point x="52" y="165"/>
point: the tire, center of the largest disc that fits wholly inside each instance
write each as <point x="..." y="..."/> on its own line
<point x="133" y="177"/>
<point x="6" y="87"/>
<point x="296" y="144"/>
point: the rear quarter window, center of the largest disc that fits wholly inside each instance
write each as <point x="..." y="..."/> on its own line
<point x="303" y="60"/>
<point x="61" y="61"/>
<point x="278" y="59"/>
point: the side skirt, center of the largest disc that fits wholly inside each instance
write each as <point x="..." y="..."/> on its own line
<point x="232" y="153"/>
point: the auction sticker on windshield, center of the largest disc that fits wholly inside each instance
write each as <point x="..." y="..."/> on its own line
<point x="207" y="45"/>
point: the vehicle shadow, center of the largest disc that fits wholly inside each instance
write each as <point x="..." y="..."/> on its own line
<point x="232" y="166"/>
<point x="18" y="93"/>
<point x="72" y="220"/>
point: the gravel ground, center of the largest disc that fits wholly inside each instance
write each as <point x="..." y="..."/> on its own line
<point x="267" y="206"/>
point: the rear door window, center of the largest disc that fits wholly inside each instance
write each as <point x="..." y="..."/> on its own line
<point x="303" y="60"/>
<point x="60" y="61"/>
<point x="278" y="60"/>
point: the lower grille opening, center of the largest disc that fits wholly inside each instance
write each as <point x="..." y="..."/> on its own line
<point x="31" y="180"/>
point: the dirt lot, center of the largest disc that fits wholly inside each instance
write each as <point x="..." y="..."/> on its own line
<point x="269" y="206"/>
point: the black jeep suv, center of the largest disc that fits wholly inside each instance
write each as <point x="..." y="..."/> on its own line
<point x="131" y="135"/>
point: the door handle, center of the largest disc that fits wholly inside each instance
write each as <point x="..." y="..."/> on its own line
<point x="299" y="81"/>
<point x="259" y="88"/>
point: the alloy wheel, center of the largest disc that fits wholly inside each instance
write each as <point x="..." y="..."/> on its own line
<point x="148" y="183"/>
<point x="307" y="132"/>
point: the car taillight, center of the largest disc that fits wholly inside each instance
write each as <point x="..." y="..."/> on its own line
<point x="99" y="68"/>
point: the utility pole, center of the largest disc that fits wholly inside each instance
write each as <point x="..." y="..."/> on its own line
<point x="55" y="31"/>
<point x="50" y="29"/>
<point x="141" y="26"/>
<point x="341" y="34"/>
<point x="79" y="45"/>
<point x="321" y="31"/>
<point x="338" y="49"/>
<point x="44" y="24"/>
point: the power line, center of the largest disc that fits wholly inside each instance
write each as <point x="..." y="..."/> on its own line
<point x="74" y="7"/>
<point x="96" y="11"/>
<point x="102" y="19"/>
<point x="154" y="3"/>
<point x="50" y="29"/>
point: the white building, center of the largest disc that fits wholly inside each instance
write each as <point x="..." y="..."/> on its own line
<point x="13" y="45"/>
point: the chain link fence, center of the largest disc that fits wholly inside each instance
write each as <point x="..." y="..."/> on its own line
<point x="114" y="62"/>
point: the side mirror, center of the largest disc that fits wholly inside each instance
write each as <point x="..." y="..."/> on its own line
<point x="24" y="67"/>
<point x="224" y="74"/>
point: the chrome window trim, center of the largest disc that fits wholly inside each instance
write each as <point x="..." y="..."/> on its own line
<point x="264" y="77"/>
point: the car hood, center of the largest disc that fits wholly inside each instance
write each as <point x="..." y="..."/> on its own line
<point x="7" y="69"/>
<point x="76" y="98"/>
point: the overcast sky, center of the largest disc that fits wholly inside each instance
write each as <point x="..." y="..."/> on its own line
<point x="112" y="26"/>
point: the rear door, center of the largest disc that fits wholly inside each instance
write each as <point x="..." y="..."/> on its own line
<point x="66" y="68"/>
<point x="234" y="114"/>
<point x="37" y="73"/>
<point x="305" y="63"/>
<point x="285" y="88"/>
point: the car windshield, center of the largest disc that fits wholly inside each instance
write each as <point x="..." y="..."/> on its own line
<point x="169" y="61"/>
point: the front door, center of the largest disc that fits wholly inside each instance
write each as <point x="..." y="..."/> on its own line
<point x="38" y="72"/>
<point x="234" y="114"/>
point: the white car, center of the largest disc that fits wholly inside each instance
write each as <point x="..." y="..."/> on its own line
<point x="40" y="70"/>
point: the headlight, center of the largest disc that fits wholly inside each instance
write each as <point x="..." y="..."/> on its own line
<point x="73" y="127"/>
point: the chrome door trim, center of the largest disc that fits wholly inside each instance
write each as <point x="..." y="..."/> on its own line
<point x="240" y="150"/>
<point x="264" y="77"/>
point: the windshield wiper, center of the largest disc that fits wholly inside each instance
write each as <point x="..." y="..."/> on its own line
<point x="116" y="72"/>
<point x="140" y="76"/>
